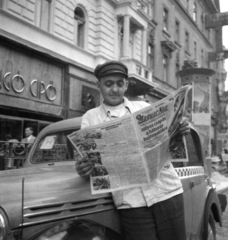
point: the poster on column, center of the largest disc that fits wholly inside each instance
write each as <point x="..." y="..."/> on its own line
<point x="204" y="132"/>
<point x="201" y="105"/>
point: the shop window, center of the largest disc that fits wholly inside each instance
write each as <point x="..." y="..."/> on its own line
<point x="10" y="127"/>
<point x="90" y="97"/>
<point x="41" y="126"/>
<point x="33" y="125"/>
<point x="80" y="23"/>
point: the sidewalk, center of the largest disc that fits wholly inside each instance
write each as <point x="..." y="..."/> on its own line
<point x="221" y="181"/>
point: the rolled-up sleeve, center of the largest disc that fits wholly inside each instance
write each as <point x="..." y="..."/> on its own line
<point x="85" y="121"/>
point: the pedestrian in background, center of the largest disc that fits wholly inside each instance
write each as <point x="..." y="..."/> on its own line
<point x="29" y="138"/>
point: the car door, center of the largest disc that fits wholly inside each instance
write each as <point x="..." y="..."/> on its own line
<point x="191" y="173"/>
<point x="198" y="180"/>
<point x="182" y="171"/>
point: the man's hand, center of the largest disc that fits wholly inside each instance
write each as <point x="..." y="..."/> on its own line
<point x="84" y="167"/>
<point x="183" y="127"/>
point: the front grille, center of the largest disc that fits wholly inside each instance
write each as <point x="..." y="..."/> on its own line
<point x="43" y="213"/>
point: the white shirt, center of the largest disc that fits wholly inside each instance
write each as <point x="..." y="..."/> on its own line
<point x="164" y="187"/>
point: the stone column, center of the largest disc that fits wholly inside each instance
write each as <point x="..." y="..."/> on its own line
<point x="198" y="106"/>
<point x="126" y="36"/>
<point x="144" y="46"/>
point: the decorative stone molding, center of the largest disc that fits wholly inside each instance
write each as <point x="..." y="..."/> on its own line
<point x="168" y="47"/>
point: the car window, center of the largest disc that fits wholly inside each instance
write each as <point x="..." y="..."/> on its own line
<point x="55" y="147"/>
<point x="177" y="151"/>
<point x="194" y="155"/>
<point x="193" y="151"/>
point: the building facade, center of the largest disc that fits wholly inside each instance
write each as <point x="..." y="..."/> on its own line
<point x="49" y="49"/>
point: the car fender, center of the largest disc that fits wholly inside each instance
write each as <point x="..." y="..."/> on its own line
<point x="213" y="204"/>
<point x="5" y="217"/>
<point x="82" y="228"/>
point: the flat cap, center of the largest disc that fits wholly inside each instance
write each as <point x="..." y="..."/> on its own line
<point x="110" y="67"/>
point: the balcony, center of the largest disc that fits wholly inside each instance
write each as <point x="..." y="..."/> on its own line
<point x="139" y="76"/>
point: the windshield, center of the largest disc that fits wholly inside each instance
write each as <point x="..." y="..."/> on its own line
<point x="55" y="147"/>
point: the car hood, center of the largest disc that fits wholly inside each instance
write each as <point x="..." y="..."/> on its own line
<point x="52" y="192"/>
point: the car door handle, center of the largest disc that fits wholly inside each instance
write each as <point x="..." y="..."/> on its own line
<point x="192" y="184"/>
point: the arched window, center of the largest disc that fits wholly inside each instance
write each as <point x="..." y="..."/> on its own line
<point x="79" y="17"/>
<point x="194" y="12"/>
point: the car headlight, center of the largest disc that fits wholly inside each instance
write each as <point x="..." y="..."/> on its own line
<point x="2" y="227"/>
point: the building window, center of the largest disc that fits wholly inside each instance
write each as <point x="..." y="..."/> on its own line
<point x="142" y="6"/>
<point x="133" y="51"/>
<point x="146" y="74"/>
<point x="202" y="57"/>
<point x="209" y="35"/>
<point x="203" y="22"/>
<point x="150" y="55"/>
<point x="138" y="70"/>
<point x="194" y="12"/>
<point x="151" y="8"/>
<point x="165" y="68"/>
<point x="165" y="19"/>
<point x="120" y="37"/>
<point x="79" y="17"/>
<point x="195" y="50"/>
<point x="186" y="41"/>
<point x="177" y="31"/>
<point x="43" y="13"/>
<point x="187" y="4"/>
<point x="151" y="49"/>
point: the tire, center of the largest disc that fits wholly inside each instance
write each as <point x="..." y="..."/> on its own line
<point x="210" y="230"/>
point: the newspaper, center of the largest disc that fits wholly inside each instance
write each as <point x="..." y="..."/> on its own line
<point x="131" y="151"/>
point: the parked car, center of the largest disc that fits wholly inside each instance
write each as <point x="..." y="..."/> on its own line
<point x="46" y="197"/>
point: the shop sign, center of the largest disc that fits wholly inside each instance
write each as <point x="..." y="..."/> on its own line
<point x="36" y="87"/>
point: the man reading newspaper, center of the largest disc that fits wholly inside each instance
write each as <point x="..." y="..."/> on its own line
<point x="154" y="211"/>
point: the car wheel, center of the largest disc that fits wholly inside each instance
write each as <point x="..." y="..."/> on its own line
<point x="210" y="231"/>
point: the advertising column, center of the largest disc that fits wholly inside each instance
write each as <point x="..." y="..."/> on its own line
<point x="199" y="102"/>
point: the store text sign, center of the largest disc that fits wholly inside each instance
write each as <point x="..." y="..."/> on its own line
<point x="29" y="76"/>
<point x="37" y="88"/>
<point x="217" y="20"/>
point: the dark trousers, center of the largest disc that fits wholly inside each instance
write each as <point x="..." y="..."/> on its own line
<point x="161" y="221"/>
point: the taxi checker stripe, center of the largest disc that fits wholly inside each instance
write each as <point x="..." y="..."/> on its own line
<point x="189" y="171"/>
